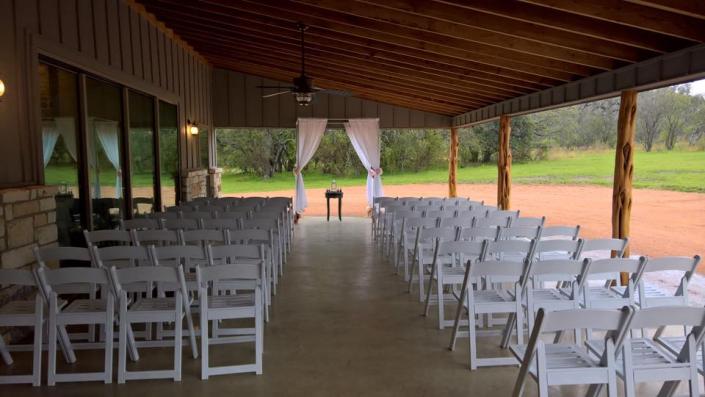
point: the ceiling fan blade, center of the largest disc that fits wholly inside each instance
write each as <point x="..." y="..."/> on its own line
<point x="276" y="93"/>
<point x="333" y="92"/>
<point x="276" y="86"/>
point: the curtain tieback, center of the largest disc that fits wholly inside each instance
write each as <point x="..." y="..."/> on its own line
<point x="375" y="171"/>
<point x="297" y="170"/>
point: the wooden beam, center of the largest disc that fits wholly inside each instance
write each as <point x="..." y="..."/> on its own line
<point x="414" y="39"/>
<point x="634" y="15"/>
<point x="486" y="30"/>
<point x="504" y="164"/>
<point x="624" y="169"/>
<point x="605" y="30"/>
<point x="453" y="164"/>
<point x="691" y="8"/>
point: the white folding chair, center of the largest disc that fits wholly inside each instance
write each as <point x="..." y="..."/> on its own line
<point x="78" y="312"/>
<point x="644" y="360"/>
<point x="198" y="215"/>
<point x="528" y="222"/>
<point x="480" y="233"/>
<point x="139" y="224"/>
<point x="651" y="295"/>
<point x="22" y="313"/>
<point x="406" y="244"/>
<point x="266" y="238"/>
<point x="203" y="237"/>
<point x="560" y="232"/>
<point x="159" y="237"/>
<point x="422" y="254"/>
<point x="448" y="269"/>
<point x="606" y="296"/>
<point x="102" y="238"/>
<point x="216" y="307"/>
<point x="555" y="364"/>
<point x="181" y="224"/>
<point x="274" y="226"/>
<point x="490" y="300"/>
<point x="147" y="310"/>
<point x="221" y="223"/>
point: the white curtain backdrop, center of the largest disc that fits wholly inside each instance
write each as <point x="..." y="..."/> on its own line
<point x="67" y="130"/>
<point x="107" y="132"/>
<point x="364" y="135"/>
<point x="310" y="132"/>
<point x="49" y="137"/>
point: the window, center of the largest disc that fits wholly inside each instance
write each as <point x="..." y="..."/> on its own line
<point x="142" y="162"/>
<point x="168" y="153"/>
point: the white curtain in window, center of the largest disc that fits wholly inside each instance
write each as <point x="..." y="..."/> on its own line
<point x="310" y="132"/>
<point x="67" y="130"/>
<point x="49" y="137"/>
<point x="107" y="132"/>
<point x="364" y="135"/>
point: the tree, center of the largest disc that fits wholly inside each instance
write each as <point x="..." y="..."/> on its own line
<point x="650" y="110"/>
<point x="676" y="114"/>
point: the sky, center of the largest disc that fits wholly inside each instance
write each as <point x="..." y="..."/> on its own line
<point x="697" y="87"/>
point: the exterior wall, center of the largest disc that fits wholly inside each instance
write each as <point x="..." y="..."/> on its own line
<point x="113" y="39"/>
<point x="215" y="182"/>
<point x="237" y="102"/>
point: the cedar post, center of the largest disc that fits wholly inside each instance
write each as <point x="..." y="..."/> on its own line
<point x="453" y="163"/>
<point x="624" y="170"/>
<point x="504" y="164"/>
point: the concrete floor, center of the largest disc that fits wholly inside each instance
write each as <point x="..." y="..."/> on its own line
<point x="342" y="325"/>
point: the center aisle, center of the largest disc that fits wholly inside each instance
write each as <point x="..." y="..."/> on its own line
<point x="344" y="325"/>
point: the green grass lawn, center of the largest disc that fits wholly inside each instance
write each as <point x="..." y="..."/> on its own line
<point x="677" y="170"/>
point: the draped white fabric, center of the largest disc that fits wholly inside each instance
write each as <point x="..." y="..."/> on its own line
<point x="364" y="135"/>
<point x="107" y="132"/>
<point x="309" y="137"/>
<point x="67" y="129"/>
<point x="49" y="137"/>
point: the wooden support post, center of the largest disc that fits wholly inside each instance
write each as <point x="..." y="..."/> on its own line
<point x="624" y="170"/>
<point x="504" y="164"/>
<point x="453" y="164"/>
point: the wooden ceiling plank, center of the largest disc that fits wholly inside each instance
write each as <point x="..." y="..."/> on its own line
<point x="373" y="49"/>
<point x="461" y="36"/>
<point x="605" y="30"/>
<point x="691" y="8"/>
<point x="630" y="14"/>
<point x="360" y="27"/>
<point x="380" y="96"/>
<point x="237" y="42"/>
<point x="495" y="30"/>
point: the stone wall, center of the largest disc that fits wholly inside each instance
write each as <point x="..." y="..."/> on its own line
<point x="27" y="219"/>
<point x="214" y="182"/>
<point x="194" y="184"/>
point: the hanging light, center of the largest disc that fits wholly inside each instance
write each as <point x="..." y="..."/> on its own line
<point x="191" y="127"/>
<point x="303" y="98"/>
<point x="2" y="88"/>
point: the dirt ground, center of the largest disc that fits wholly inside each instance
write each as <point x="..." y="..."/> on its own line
<point x="663" y="222"/>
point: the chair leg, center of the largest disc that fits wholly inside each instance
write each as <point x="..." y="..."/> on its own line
<point x="122" y="342"/>
<point x="421" y="277"/>
<point x="178" y="337"/>
<point x="52" y="341"/>
<point x="6" y="356"/>
<point x="191" y="331"/>
<point x="441" y="307"/>
<point x="472" y="335"/>
<point x="37" y="353"/>
<point x="109" y="344"/>
<point x="259" y="337"/>
<point x="204" y="338"/>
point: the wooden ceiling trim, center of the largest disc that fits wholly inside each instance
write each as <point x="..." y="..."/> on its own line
<point x="369" y="29"/>
<point x="630" y="14"/>
<point x="369" y="48"/>
<point x="372" y="94"/>
<point x="490" y="42"/>
<point x="605" y="30"/>
<point x="691" y="8"/>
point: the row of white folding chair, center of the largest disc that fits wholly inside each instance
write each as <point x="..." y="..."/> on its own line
<point x="491" y="300"/>
<point x="118" y="255"/>
<point x="619" y="354"/>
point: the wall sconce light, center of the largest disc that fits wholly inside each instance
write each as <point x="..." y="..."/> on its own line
<point x="2" y="89"/>
<point x="191" y="127"/>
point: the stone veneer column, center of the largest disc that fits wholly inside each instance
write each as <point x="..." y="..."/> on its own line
<point x="214" y="182"/>
<point x="27" y="219"/>
<point x="194" y="184"/>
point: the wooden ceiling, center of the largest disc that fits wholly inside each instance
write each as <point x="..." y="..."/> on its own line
<point x="442" y="56"/>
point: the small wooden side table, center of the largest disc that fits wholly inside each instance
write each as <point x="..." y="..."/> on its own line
<point x="334" y="194"/>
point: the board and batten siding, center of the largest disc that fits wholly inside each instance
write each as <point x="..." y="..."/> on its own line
<point x="237" y="102"/>
<point x="112" y="39"/>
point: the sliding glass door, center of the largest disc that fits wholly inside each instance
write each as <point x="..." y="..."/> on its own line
<point x="104" y="148"/>
<point x="59" y="102"/>
<point x="168" y="153"/>
<point x="142" y="159"/>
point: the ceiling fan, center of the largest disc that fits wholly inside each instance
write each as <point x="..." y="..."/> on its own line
<point x="302" y="87"/>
